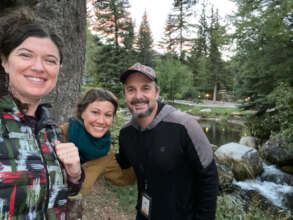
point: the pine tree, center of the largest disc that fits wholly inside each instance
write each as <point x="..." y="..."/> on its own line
<point x="206" y="57"/>
<point x="264" y="49"/>
<point x="180" y="26"/>
<point x="216" y="64"/>
<point x="168" y="43"/>
<point x="113" y="20"/>
<point x="129" y="36"/>
<point x="93" y="49"/>
<point x="116" y="30"/>
<point x="145" y="42"/>
<point x="199" y="49"/>
<point x="264" y="65"/>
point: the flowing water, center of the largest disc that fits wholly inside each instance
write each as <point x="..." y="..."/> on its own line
<point x="279" y="192"/>
<point x="273" y="184"/>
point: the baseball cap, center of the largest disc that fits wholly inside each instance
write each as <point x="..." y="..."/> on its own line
<point x="138" y="67"/>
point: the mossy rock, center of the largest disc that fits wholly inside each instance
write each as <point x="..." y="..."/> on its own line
<point x="287" y="169"/>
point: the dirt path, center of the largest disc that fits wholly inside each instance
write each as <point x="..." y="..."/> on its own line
<point x="102" y="204"/>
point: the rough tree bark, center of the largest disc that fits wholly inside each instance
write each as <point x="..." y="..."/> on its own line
<point x="69" y="17"/>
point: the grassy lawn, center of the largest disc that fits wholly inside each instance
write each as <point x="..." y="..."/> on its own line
<point x="224" y="113"/>
<point x="127" y="196"/>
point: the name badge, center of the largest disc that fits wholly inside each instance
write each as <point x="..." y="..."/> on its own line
<point x="145" y="205"/>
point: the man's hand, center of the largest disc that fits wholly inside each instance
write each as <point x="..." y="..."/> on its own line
<point x="68" y="154"/>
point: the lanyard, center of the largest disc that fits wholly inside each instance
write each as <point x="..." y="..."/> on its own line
<point x="144" y="152"/>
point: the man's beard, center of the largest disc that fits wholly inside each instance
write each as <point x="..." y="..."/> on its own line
<point x="145" y="114"/>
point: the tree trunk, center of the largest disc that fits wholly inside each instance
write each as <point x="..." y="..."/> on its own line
<point x="215" y="94"/>
<point x="69" y="17"/>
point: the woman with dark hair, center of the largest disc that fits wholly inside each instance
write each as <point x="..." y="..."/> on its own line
<point x="37" y="171"/>
<point x="89" y="130"/>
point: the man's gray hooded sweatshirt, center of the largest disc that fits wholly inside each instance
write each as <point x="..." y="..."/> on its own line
<point x="174" y="165"/>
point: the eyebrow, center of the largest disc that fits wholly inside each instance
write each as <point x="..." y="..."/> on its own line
<point x="28" y="50"/>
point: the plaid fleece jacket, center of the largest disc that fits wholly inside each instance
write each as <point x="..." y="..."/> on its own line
<point x="32" y="181"/>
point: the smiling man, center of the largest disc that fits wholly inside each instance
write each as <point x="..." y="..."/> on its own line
<point x="172" y="158"/>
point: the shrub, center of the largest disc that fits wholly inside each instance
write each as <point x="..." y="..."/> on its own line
<point x="277" y="120"/>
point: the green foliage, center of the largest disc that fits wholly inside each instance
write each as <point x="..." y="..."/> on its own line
<point x="215" y="63"/>
<point x="188" y="3"/>
<point x="167" y="42"/>
<point x="127" y="196"/>
<point x="264" y="58"/>
<point x="104" y="63"/>
<point x="229" y="208"/>
<point x="114" y="53"/>
<point x="209" y="69"/>
<point x="129" y="36"/>
<point x="145" y="42"/>
<point x="112" y="20"/>
<point x="203" y="80"/>
<point x="199" y="49"/>
<point x="232" y="208"/>
<point x="279" y="119"/>
<point x="259" y="126"/>
<point x="110" y="64"/>
<point x="93" y="47"/>
<point x="282" y="96"/>
<point x="174" y="79"/>
<point x="178" y="27"/>
<point x="117" y="124"/>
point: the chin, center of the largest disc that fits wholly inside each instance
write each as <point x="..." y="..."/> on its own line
<point x="98" y="135"/>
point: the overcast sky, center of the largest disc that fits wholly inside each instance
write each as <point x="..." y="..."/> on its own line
<point x="157" y="11"/>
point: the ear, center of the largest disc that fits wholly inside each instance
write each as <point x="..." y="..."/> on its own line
<point x="4" y="62"/>
<point x="81" y="116"/>
<point x="158" y="92"/>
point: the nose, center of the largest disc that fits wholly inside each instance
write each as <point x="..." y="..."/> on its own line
<point x="100" y="119"/>
<point x="37" y="65"/>
<point x="138" y="94"/>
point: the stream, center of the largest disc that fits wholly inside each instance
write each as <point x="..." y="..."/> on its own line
<point x="276" y="189"/>
<point x="273" y="184"/>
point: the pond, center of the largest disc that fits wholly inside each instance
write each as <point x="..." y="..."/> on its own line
<point x="220" y="133"/>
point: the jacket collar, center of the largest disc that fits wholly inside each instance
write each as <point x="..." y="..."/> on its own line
<point x="8" y="105"/>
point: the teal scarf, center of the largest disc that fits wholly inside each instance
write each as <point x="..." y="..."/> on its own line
<point x="89" y="147"/>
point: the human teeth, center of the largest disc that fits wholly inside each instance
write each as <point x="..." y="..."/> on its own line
<point x="99" y="128"/>
<point x="36" y="79"/>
